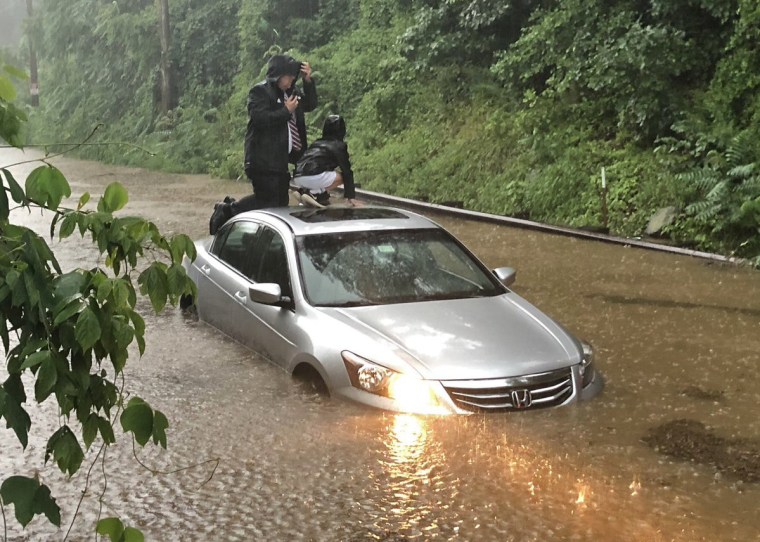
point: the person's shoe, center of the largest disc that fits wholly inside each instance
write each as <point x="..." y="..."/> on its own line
<point x="323" y="198"/>
<point x="311" y="201"/>
<point x="221" y="214"/>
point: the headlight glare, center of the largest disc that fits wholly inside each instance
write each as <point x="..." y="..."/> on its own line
<point x="372" y="378"/>
<point x="409" y="393"/>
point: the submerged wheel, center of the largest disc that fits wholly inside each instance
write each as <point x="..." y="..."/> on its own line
<point x="310" y="379"/>
<point x="186" y="302"/>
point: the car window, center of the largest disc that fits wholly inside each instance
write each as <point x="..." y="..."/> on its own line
<point x="369" y="268"/>
<point x="236" y="245"/>
<point x="271" y="261"/>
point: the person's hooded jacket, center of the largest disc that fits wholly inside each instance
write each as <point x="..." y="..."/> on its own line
<point x="329" y="153"/>
<point x="266" y="138"/>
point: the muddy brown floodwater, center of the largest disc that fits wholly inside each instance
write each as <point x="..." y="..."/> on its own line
<point x="667" y="452"/>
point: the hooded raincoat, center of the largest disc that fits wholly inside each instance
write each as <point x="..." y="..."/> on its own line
<point x="267" y="134"/>
<point x="329" y="153"/>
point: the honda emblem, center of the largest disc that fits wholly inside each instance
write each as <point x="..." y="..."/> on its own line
<point x="521" y="398"/>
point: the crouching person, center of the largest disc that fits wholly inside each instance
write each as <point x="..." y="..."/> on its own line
<point x="325" y="165"/>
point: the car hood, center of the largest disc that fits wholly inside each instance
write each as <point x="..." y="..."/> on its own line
<point x="466" y="339"/>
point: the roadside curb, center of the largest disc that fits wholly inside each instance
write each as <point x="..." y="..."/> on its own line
<point x="530" y="225"/>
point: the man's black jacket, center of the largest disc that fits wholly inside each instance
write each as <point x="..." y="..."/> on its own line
<point x="266" y="139"/>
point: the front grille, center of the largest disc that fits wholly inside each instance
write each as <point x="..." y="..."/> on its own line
<point x="527" y="392"/>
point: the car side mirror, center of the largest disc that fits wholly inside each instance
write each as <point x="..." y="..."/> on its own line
<point x="506" y="275"/>
<point x="267" y="293"/>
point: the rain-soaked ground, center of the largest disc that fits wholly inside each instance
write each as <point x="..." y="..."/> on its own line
<point x="669" y="451"/>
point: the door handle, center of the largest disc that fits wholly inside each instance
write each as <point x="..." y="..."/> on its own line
<point x="240" y="296"/>
<point x="206" y="269"/>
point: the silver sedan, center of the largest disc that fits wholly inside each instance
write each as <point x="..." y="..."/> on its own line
<point x="385" y="307"/>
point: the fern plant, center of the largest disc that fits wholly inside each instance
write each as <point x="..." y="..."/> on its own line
<point x="728" y="197"/>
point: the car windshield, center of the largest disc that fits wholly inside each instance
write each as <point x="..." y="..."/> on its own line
<point x="383" y="267"/>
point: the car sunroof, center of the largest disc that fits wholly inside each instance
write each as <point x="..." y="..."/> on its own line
<point x="337" y="214"/>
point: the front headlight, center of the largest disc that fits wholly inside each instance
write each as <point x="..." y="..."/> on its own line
<point x="587" y="365"/>
<point x="410" y="393"/>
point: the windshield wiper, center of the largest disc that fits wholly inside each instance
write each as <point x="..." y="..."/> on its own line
<point x="346" y="304"/>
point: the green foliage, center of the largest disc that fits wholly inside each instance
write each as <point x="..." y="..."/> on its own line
<point x="462" y="32"/>
<point x="12" y="117"/>
<point x="507" y="107"/>
<point x="139" y="418"/>
<point x="733" y="94"/>
<point x="67" y="334"/>
<point x="115" y="530"/>
<point x="726" y="205"/>
<point x="29" y="498"/>
<point x="606" y="60"/>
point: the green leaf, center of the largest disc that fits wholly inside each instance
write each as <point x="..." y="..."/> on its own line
<point x="121" y="293"/>
<point x="47" y="376"/>
<point x="160" y="424"/>
<point x="35" y="359"/>
<point x="113" y="528"/>
<point x="67" y="311"/>
<point x="104" y="290"/>
<point x="15" y="416"/>
<point x="47" y="186"/>
<point x="138" y="418"/>
<point x="139" y="325"/>
<point x="70" y="285"/>
<point x="7" y="90"/>
<point x="29" y="497"/>
<point x="65" y="449"/>
<point x="176" y="279"/>
<point x="44" y="503"/>
<point x="83" y="201"/>
<point x="114" y="198"/>
<point x="4" y="208"/>
<point x="87" y="329"/>
<point x="180" y="245"/>
<point x="106" y="431"/>
<point x="133" y="535"/>
<point x="90" y="430"/>
<point x="32" y="291"/>
<point x="20" y="491"/>
<point x="68" y="224"/>
<point x="122" y="332"/>
<point x="154" y="284"/>
<point x="4" y="335"/>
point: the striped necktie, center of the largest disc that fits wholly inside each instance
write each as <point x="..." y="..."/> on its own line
<point x="295" y="137"/>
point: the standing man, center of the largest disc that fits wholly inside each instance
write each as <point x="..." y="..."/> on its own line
<point x="275" y="137"/>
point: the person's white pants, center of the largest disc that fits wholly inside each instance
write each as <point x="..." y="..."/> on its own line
<point x="315" y="183"/>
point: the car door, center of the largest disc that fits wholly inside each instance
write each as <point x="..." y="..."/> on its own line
<point x="275" y="330"/>
<point x="225" y="274"/>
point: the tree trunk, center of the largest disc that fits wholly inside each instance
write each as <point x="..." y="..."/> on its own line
<point x="168" y="99"/>
<point x="34" y="89"/>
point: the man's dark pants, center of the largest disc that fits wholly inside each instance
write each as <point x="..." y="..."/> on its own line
<point x="269" y="190"/>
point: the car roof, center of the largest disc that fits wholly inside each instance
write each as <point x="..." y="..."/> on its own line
<point x="339" y="219"/>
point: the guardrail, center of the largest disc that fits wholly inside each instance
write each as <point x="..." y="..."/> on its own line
<point x="528" y="224"/>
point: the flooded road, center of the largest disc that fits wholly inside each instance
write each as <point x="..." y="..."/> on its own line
<point x="677" y="338"/>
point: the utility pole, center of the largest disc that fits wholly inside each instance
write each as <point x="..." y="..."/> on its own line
<point x="34" y="89"/>
<point x="167" y="79"/>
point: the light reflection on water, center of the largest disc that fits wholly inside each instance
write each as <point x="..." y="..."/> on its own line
<point x="411" y="465"/>
<point x="674" y="337"/>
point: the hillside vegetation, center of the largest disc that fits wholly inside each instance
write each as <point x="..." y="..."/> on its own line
<point x="510" y="107"/>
